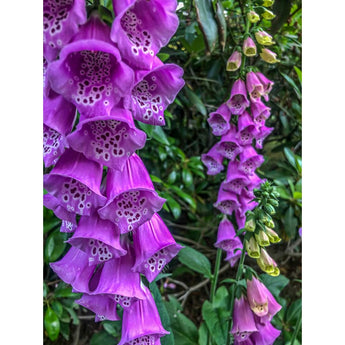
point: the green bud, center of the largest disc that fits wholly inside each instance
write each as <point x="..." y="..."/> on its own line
<point x="262" y="239"/>
<point x="269" y="209"/>
<point x="252" y="247"/>
<point x="273" y="202"/>
<point x="268" y="3"/>
<point x="268" y="14"/>
<point x="272" y="235"/>
<point x="253" y="17"/>
<point x="250" y="225"/>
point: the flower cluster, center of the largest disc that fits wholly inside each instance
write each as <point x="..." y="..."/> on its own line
<point x="252" y="316"/>
<point x="97" y="81"/>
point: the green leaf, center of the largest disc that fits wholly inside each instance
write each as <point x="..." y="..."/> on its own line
<point x="174" y="207"/>
<point x="290" y="222"/>
<point x="207" y="23"/>
<point x="203" y="331"/>
<point x="102" y="338"/>
<point x="64" y="329"/>
<point x="195" y="260"/>
<point x="109" y="328"/>
<point x="159" y="135"/>
<point x="292" y="83"/>
<point x="293" y="312"/>
<point x="155" y="179"/>
<point x="290" y="156"/>
<point x="65" y="291"/>
<point x="274" y="284"/>
<point x="57" y="307"/>
<point x="54" y="245"/>
<point x="299" y="74"/>
<point x="65" y="317"/>
<point x="184" y="196"/>
<point x="195" y="101"/>
<point x="45" y="290"/>
<point x="187" y="177"/>
<point x="163" y="56"/>
<point x="172" y="177"/>
<point x="74" y="316"/>
<point x="221" y="23"/>
<point x="51" y="324"/>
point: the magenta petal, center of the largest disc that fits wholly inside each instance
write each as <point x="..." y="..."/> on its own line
<point x="154" y="92"/>
<point x="98" y="238"/>
<point x="234" y="255"/>
<point x="226" y="235"/>
<point x="154" y="247"/>
<point x="75" y="182"/>
<point x="228" y="145"/>
<point x="266" y="334"/>
<point x="226" y="202"/>
<point x="143" y="28"/>
<point x="260" y="113"/>
<point x="141" y="322"/>
<point x="102" y="305"/>
<point x="238" y="101"/>
<point x="108" y="139"/>
<point x="261" y="136"/>
<point x="267" y="84"/>
<point x="60" y="22"/>
<point x="235" y="180"/>
<point x="213" y="161"/>
<point x="219" y="120"/>
<point x="132" y="199"/>
<point x="240" y="218"/>
<point x="254" y="87"/>
<point x="250" y="160"/>
<point x="246" y="129"/>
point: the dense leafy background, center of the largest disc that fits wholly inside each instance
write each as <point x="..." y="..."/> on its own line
<point x="207" y="33"/>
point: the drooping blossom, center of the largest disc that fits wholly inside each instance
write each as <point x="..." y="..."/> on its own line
<point x="266" y="335"/>
<point x="254" y="87"/>
<point x="238" y="100"/>
<point x="226" y="202"/>
<point x="228" y="145"/>
<point x="249" y="47"/>
<point x="264" y="38"/>
<point x="213" y="161"/>
<point x="234" y="61"/>
<point x="219" y="120"/>
<point x="268" y="56"/>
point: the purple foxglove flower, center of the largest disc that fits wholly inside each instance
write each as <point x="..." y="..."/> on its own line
<point x="260" y="113"/>
<point x="60" y="23"/>
<point x="245" y="199"/>
<point x="69" y="223"/>
<point x="142" y="28"/>
<point x="248" y="341"/>
<point x="58" y="119"/>
<point x="228" y="145"/>
<point x="233" y="256"/>
<point x="108" y="139"/>
<point x="249" y="47"/>
<point x="267" y="264"/>
<point x="257" y="296"/>
<point x="246" y="129"/>
<point x="226" y="202"/>
<point x="261" y="135"/>
<point x="249" y="160"/>
<point x="238" y="100"/>
<point x="254" y="87"/>
<point x="219" y="120"/>
<point x="273" y="308"/>
<point x="226" y="236"/>
<point x="234" y="61"/>
<point x="235" y="180"/>
<point x="300" y="232"/>
<point x="98" y="238"/>
<point x="213" y="161"/>
<point x="154" y="91"/>
<point x="266" y="334"/>
<point x="264" y="38"/>
<point x="75" y="182"/>
<point x="141" y="323"/>
<point x="89" y="72"/>
<point x="255" y="181"/>
<point x="240" y="218"/>
<point x="103" y="306"/>
<point x="154" y="247"/>
<point x="267" y="84"/>
<point x="132" y="199"/>
<point x="243" y="320"/>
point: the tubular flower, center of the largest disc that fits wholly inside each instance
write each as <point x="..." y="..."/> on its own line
<point x="226" y="236"/>
<point x="238" y="101"/>
<point x="235" y="180"/>
<point x="249" y="47"/>
<point x="254" y="87"/>
<point x="269" y="56"/>
<point x="266" y="334"/>
<point x="264" y="38"/>
<point x="246" y="129"/>
<point x="228" y="146"/>
<point x="257" y="297"/>
<point x="234" y="61"/>
<point x="226" y="202"/>
<point x="219" y="120"/>
<point x="213" y="161"/>
<point x="253" y="17"/>
<point x="267" y="264"/>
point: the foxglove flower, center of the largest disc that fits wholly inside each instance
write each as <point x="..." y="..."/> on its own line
<point x="234" y="61"/>
<point x="266" y="334"/>
<point x="60" y="22"/>
<point x="257" y="297"/>
<point x="98" y="238"/>
<point x="232" y="256"/>
<point x="58" y="119"/>
<point x="273" y="308"/>
<point x="219" y="120"/>
<point x="264" y="38"/>
<point x="243" y="320"/>
<point x="249" y="47"/>
<point x="75" y="182"/>
<point x="267" y="264"/>
<point x="254" y="87"/>
<point x="108" y="139"/>
<point x="267" y="84"/>
<point x="238" y="101"/>
<point x="154" y="247"/>
<point x="103" y="306"/>
<point x="213" y="161"/>
<point x="246" y="129"/>
<point x="89" y="72"/>
<point x="235" y="180"/>
<point x="132" y="199"/>
<point x="226" y="202"/>
<point x="154" y="91"/>
<point x="141" y="324"/>
<point x="268" y="56"/>
<point x="261" y="136"/>
<point x="253" y="248"/>
<point x="253" y="17"/>
<point x="249" y="160"/>
<point x="226" y="236"/>
<point x="138" y="31"/>
<point x="228" y="146"/>
<point x="267" y="14"/>
<point x="260" y="113"/>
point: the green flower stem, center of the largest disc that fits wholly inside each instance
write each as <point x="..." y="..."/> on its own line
<point x="294" y="335"/>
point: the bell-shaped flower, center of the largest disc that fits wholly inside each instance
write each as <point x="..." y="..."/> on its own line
<point x="153" y="91"/>
<point x="219" y="120"/>
<point x="273" y="308"/>
<point x="89" y="72"/>
<point x="267" y="84"/>
<point x="262" y="238"/>
<point x="267" y="14"/>
<point x="226" y="236"/>
<point x="154" y="247"/>
<point x="142" y="28"/>
<point x="243" y="320"/>
<point x="98" y="238"/>
<point x="141" y="323"/>
<point x="232" y="256"/>
<point x="58" y="119"/>
<point x="249" y="160"/>
<point x="257" y="296"/>
<point x="238" y="101"/>
<point x="261" y="135"/>
<point x="213" y="161"/>
<point x="253" y="17"/>
<point x="108" y="139"/>
<point x="272" y="235"/>
<point x="246" y="129"/>
<point x="267" y="264"/>
<point x="228" y="145"/>
<point x="252" y="247"/>
<point x="249" y="47"/>
<point x="268" y="56"/>
<point x="69" y="222"/>
<point x="103" y="306"/>
<point x="226" y="202"/>
<point x="240" y="218"/>
<point x="75" y="182"/>
<point x="255" y="181"/>
<point x="235" y="180"/>
<point x="254" y="87"/>
<point x="260" y="113"/>
<point x="60" y="22"/>
<point x="267" y="3"/>
<point x="132" y="199"/>
<point x="266" y="334"/>
<point x="264" y="38"/>
<point x="234" y="61"/>
<point x="246" y="200"/>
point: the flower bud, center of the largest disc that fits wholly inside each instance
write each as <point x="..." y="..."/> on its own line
<point x="249" y="47"/>
<point x="273" y="202"/>
<point x="270" y="209"/>
<point x="250" y="225"/>
<point x="269" y="56"/>
<point x="234" y="61"/>
<point x="267" y="264"/>
<point x="262" y="239"/>
<point x="253" y="17"/>
<point x="268" y="3"/>
<point x="264" y="38"/>
<point x="268" y="14"/>
<point x="252" y="248"/>
<point x="272" y="235"/>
